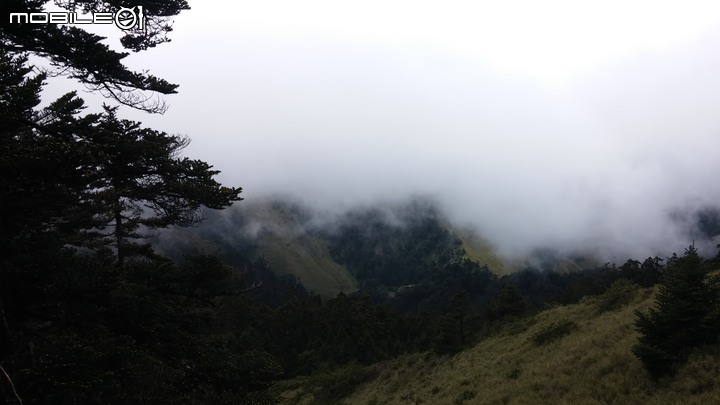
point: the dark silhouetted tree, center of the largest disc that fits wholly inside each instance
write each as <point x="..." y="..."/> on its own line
<point x="136" y="179"/>
<point x="458" y="307"/>
<point x="508" y="304"/>
<point x="73" y="52"/>
<point x="72" y="328"/>
<point x="685" y="315"/>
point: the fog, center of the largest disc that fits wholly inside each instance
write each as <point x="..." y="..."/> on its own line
<point x="540" y="125"/>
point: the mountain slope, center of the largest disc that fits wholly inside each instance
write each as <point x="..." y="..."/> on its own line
<point x="565" y="355"/>
<point x="385" y="247"/>
<point x="481" y="251"/>
<point x="290" y="238"/>
<point x="291" y="249"/>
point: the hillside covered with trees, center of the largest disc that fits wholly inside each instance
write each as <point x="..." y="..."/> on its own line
<point x="569" y="354"/>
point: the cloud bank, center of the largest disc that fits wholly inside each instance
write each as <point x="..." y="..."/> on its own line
<point x="573" y="143"/>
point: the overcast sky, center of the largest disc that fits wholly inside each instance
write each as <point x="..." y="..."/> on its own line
<point x="562" y="123"/>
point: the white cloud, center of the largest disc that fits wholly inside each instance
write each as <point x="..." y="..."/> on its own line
<point x="558" y="122"/>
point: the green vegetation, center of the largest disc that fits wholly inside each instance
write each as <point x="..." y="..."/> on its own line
<point x="81" y="55"/>
<point x="593" y="363"/>
<point x="270" y="231"/>
<point x="291" y="249"/>
<point x="88" y="312"/>
<point x="325" y="388"/>
<point x="480" y="251"/>
<point x="553" y="332"/>
<point x="686" y="315"/>
<point x="617" y="296"/>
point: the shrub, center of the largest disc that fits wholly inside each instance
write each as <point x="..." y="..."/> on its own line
<point x="553" y="332"/>
<point x="620" y="293"/>
<point x="465" y="396"/>
<point x="341" y="383"/>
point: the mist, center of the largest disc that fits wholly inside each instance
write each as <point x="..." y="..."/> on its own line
<point x="548" y="137"/>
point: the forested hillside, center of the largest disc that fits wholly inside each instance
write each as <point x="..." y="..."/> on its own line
<point x="580" y="353"/>
<point x="388" y="246"/>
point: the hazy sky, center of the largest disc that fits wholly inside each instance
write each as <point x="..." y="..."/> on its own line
<point x="539" y="122"/>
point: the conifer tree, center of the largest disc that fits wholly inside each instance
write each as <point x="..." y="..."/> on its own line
<point x="72" y="328"/>
<point x="136" y="178"/>
<point x="78" y="54"/>
<point x="685" y="315"/>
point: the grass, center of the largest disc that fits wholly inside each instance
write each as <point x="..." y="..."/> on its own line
<point x="553" y="332"/>
<point x="289" y="248"/>
<point x="308" y="259"/>
<point x="480" y="251"/>
<point x="325" y="388"/>
<point x="587" y="360"/>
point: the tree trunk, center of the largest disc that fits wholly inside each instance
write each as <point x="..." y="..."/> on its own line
<point x="119" y="234"/>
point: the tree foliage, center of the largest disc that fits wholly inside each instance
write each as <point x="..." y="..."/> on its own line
<point x="72" y="172"/>
<point x="75" y="190"/>
<point x="137" y="179"/>
<point x="684" y="317"/>
<point x="78" y="54"/>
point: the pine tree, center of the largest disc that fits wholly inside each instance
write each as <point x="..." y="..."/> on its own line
<point x="78" y="54"/>
<point x="73" y="329"/>
<point x="136" y="179"/>
<point x="685" y="315"/>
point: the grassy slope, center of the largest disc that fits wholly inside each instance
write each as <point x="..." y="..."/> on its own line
<point x="591" y="365"/>
<point x="290" y="249"/>
<point x="480" y="251"/>
<point x="308" y="259"/>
